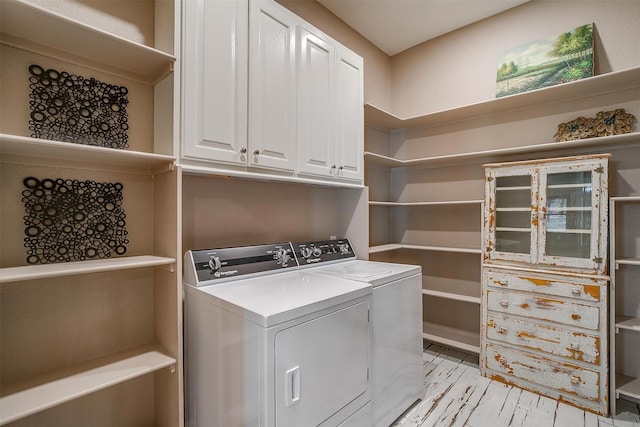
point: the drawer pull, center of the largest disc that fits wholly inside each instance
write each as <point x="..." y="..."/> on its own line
<point x="574" y="345"/>
<point x="502" y="330"/>
<point x="576" y="316"/>
<point x="575" y="380"/>
<point x="576" y="292"/>
<point x="504" y="303"/>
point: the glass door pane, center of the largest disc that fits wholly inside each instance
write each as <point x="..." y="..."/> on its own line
<point x="513" y="214"/>
<point x="569" y="214"/>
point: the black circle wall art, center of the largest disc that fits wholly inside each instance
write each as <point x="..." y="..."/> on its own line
<point x="72" y="220"/>
<point x="70" y="108"/>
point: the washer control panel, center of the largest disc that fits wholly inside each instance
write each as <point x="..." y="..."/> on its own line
<point x="225" y="263"/>
<point x="315" y="252"/>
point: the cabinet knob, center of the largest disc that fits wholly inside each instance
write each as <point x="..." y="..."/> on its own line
<point x="574" y="345"/>
<point x="504" y="303"/>
<point x="243" y="150"/>
<point x="575" y="380"/>
<point x="256" y="153"/>
<point x="502" y="330"/>
<point x="576" y="292"/>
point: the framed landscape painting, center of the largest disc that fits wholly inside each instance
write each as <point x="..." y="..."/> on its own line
<point x="547" y="62"/>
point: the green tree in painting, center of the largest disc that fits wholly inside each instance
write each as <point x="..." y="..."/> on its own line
<point x="506" y="71"/>
<point x="575" y="48"/>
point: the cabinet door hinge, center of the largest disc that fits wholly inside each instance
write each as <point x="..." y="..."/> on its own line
<point x="599" y="170"/>
<point x="490" y="178"/>
<point x="597" y="260"/>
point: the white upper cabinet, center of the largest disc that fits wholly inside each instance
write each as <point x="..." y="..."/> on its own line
<point x="265" y="92"/>
<point x="349" y="113"/>
<point x="215" y="62"/>
<point x="330" y="108"/>
<point x="550" y="213"/>
<point x="272" y="48"/>
<point x="316" y="121"/>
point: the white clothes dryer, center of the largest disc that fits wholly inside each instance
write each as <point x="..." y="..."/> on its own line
<point x="268" y="344"/>
<point x="396" y="323"/>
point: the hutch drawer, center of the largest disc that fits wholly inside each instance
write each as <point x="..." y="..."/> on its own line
<point x="552" y="339"/>
<point x="535" y="306"/>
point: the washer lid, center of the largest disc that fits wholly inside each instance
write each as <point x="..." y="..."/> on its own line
<point x="280" y="297"/>
<point x="372" y="272"/>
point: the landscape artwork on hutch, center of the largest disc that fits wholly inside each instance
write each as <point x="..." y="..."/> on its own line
<point x="546" y="62"/>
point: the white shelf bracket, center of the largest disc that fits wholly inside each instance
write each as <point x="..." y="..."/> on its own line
<point x="172" y="368"/>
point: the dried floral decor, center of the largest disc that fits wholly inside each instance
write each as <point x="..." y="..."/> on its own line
<point x="71" y="220"/>
<point x="606" y="123"/>
<point x="70" y="108"/>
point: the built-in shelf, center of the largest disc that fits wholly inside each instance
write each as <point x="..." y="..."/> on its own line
<point x="610" y="142"/>
<point x="451" y="295"/>
<point x="627" y="261"/>
<point x="627" y="386"/>
<point x="451" y="337"/>
<point x="14" y="147"/>
<point x="627" y="322"/>
<point x="43" y="271"/>
<point x="37" y="394"/>
<point x="396" y="246"/>
<point x="594" y="86"/>
<point x="417" y="204"/>
<point x="29" y="26"/>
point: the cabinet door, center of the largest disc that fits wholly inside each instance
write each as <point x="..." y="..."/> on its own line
<point x="511" y="214"/>
<point x="215" y="80"/>
<point x="571" y="212"/>
<point x="349" y="108"/>
<point x="316" y="128"/>
<point x="272" y="84"/>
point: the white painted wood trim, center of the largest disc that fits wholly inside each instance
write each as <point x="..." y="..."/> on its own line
<point x="456" y="338"/>
<point x="22" y="146"/>
<point x="44" y="271"/>
<point x="629" y="386"/>
<point x="433" y="203"/>
<point x="451" y="295"/>
<point x="35" y="395"/>
<point x="604" y="83"/>
<point x="610" y="142"/>
<point x="396" y="246"/>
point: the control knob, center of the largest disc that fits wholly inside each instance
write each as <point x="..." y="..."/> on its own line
<point x="317" y="252"/>
<point x="344" y="248"/>
<point x="282" y="257"/>
<point x="214" y="264"/>
<point x="306" y="251"/>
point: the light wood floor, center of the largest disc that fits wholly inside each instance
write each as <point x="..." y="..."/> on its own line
<point x="458" y="396"/>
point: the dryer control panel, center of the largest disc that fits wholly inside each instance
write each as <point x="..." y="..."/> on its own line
<point x="315" y="252"/>
<point x="226" y="263"/>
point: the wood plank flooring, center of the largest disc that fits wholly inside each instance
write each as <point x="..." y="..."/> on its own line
<point x="457" y="395"/>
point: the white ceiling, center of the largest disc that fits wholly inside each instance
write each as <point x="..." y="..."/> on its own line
<point x="397" y="25"/>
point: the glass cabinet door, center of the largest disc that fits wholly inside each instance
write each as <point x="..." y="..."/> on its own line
<point x="569" y="203"/>
<point x="511" y="232"/>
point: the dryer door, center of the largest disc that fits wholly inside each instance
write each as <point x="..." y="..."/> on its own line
<point x="321" y="366"/>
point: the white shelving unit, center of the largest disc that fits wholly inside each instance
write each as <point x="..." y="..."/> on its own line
<point x="126" y="336"/>
<point x="422" y="176"/>
<point x="31" y="27"/>
<point x="624" y="299"/>
<point x="37" y="394"/>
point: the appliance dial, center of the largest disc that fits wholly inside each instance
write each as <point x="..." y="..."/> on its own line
<point x="317" y="252"/>
<point x="306" y="252"/>
<point x="214" y="263"/>
<point x="282" y="257"/>
<point x="344" y="248"/>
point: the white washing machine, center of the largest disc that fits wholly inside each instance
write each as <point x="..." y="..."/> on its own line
<point x="268" y="344"/>
<point x="396" y="311"/>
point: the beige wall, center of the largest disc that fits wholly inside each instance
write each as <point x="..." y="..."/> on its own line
<point x="459" y="68"/>
<point x="377" y="71"/>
